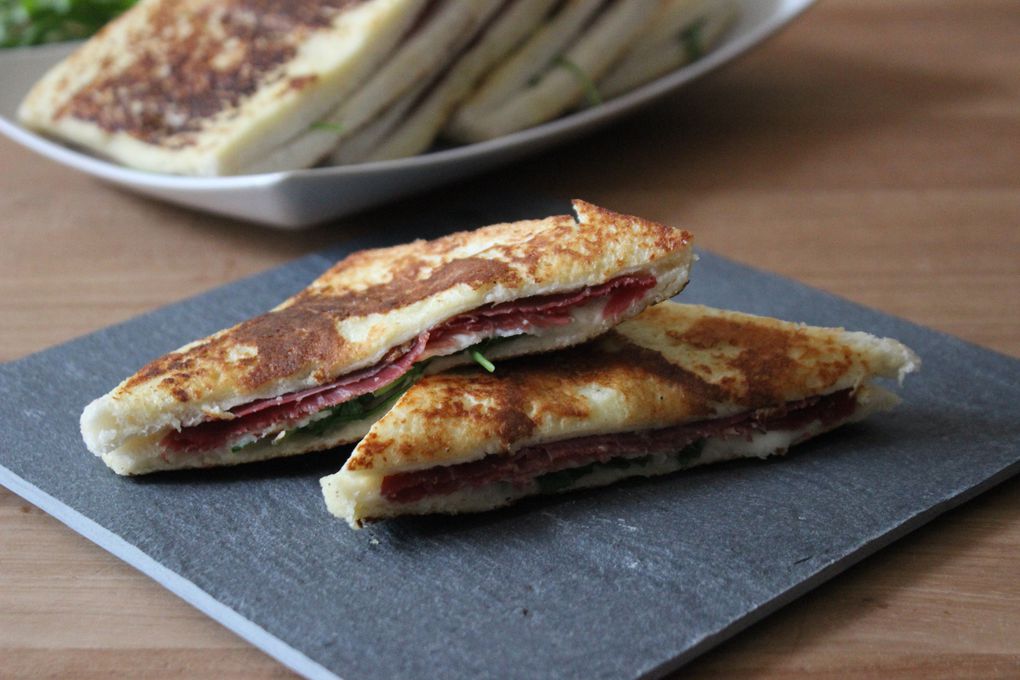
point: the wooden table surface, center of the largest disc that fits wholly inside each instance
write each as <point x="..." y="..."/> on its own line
<point x="872" y="150"/>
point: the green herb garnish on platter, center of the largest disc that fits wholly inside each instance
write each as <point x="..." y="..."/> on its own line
<point x="591" y="92"/>
<point x="693" y="40"/>
<point x="34" y="22"/>
<point x="325" y="126"/>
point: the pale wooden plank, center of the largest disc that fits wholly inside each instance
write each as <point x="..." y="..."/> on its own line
<point x="871" y="150"/>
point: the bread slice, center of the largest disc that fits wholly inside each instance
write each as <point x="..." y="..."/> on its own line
<point x="680" y="33"/>
<point x="374" y="319"/>
<point x="417" y="120"/>
<point x="677" y="386"/>
<point x="204" y="87"/>
<point x="423" y="53"/>
<point x="551" y="72"/>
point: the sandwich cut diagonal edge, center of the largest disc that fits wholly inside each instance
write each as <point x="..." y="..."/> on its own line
<point x="677" y="386"/>
<point x="372" y="320"/>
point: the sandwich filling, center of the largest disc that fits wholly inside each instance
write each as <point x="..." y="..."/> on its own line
<point x="365" y="392"/>
<point x="555" y="466"/>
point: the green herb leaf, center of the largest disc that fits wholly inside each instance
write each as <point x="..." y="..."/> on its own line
<point x="365" y="406"/>
<point x="591" y="92"/>
<point x="482" y="361"/>
<point x="693" y="40"/>
<point x="327" y="127"/>
<point x="564" y="479"/>
<point x="690" y="453"/>
<point x="31" y="22"/>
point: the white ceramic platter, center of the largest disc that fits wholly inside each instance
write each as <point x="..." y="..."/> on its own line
<point x="296" y="199"/>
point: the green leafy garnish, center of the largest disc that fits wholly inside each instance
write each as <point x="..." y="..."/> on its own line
<point x="555" y="482"/>
<point x="33" y="22"/>
<point x="477" y="351"/>
<point x="482" y="361"/>
<point x="327" y="126"/>
<point x="591" y="93"/>
<point x="693" y="40"/>
<point x="365" y="406"/>
<point x="690" y="453"/>
<point x="564" y="479"/>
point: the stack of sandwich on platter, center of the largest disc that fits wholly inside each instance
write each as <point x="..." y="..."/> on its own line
<point x="228" y="87"/>
<point x="472" y="370"/>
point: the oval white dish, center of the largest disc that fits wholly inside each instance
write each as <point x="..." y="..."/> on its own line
<point x="302" y="198"/>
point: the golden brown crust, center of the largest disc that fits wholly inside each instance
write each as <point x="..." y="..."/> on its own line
<point x="191" y="61"/>
<point x="305" y="330"/>
<point x="767" y="357"/>
<point x="375" y="302"/>
<point x="283" y="342"/>
<point x="670" y="365"/>
<point x="211" y="87"/>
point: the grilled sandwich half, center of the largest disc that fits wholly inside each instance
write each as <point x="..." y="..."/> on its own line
<point x="317" y="371"/>
<point x="681" y="32"/>
<point x="675" y="387"/>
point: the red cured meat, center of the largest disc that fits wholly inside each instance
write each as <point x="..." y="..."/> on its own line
<point x="267" y="415"/>
<point x="534" y="461"/>
<point x="514" y="317"/>
<point x="543" y="311"/>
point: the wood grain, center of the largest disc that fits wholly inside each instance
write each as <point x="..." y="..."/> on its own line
<point x="873" y="150"/>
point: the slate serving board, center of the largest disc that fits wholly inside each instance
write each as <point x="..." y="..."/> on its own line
<point x="624" y="582"/>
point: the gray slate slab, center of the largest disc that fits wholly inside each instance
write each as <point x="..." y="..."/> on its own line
<point x="616" y="583"/>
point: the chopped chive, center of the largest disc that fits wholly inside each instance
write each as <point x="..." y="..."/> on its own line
<point x="482" y="361"/>
<point x="328" y="127"/>
<point x="591" y="93"/>
<point x="693" y="41"/>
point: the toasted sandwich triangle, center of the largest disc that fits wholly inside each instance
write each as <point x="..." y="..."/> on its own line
<point x="372" y="322"/>
<point x="675" y="377"/>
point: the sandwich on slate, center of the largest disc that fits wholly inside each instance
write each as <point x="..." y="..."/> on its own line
<point x="677" y="386"/>
<point x="209" y="87"/>
<point x="319" y="369"/>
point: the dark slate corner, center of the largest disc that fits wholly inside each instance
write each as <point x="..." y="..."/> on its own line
<point x="616" y="583"/>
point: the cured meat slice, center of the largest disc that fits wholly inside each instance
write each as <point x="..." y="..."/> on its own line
<point x="543" y="311"/>
<point x="520" y="316"/>
<point x="533" y="461"/>
<point x="267" y="415"/>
